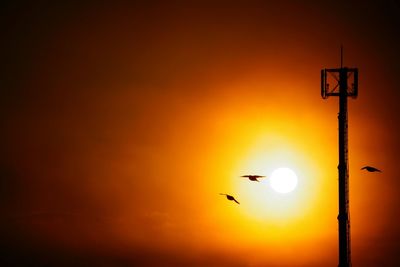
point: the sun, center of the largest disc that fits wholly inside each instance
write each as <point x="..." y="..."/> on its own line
<point x="283" y="180"/>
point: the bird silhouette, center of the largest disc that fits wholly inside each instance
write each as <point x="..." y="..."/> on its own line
<point x="370" y="169"/>
<point x="253" y="177"/>
<point x="229" y="197"/>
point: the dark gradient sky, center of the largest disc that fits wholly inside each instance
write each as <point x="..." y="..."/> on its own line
<point x="121" y="123"/>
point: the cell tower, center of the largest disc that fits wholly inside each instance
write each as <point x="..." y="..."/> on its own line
<point x="341" y="78"/>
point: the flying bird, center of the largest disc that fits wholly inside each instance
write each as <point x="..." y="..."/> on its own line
<point x="370" y="169"/>
<point x="229" y="197"/>
<point x="253" y="177"/>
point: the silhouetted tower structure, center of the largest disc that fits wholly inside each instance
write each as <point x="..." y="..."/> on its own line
<point x="345" y="83"/>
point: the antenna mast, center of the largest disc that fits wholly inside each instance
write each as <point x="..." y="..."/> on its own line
<point x="342" y="90"/>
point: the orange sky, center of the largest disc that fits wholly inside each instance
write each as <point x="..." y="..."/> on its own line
<point x="123" y="123"/>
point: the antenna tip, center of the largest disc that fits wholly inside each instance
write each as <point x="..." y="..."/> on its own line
<point x="341" y="55"/>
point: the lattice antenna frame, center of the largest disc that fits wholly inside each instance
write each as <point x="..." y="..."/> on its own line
<point x="332" y="76"/>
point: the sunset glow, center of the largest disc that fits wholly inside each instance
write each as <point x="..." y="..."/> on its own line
<point x="123" y="122"/>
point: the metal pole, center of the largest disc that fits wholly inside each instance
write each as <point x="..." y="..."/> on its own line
<point x="343" y="167"/>
<point x="343" y="217"/>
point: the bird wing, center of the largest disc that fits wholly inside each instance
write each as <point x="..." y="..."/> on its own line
<point x="236" y="201"/>
<point x="370" y="169"/>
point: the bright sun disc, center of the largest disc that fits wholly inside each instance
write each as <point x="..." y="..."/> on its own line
<point x="283" y="180"/>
